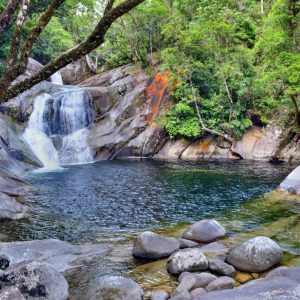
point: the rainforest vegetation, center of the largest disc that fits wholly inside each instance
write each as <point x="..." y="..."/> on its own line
<point x="231" y="63"/>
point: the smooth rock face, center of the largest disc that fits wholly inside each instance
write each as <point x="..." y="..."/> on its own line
<point x="182" y="295"/>
<point x="255" y="255"/>
<point x="197" y="293"/>
<point x="292" y="182"/>
<point x="150" y="245"/>
<point x="159" y="295"/>
<point x="221" y="283"/>
<point x="191" y="259"/>
<point x="283" y="286"/>
<point x="202" y="279"/>
<point x="58" y="254"/>
<point x="221" y="267"/>
<point x="114" y="288"/>
<point x="35" y="280"/>
<point x="204" y="231"/>
<point x="186" y="283"/>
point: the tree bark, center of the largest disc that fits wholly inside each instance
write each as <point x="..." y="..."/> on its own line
<point x="94" y="40"/>
<point x="7" y="14"/>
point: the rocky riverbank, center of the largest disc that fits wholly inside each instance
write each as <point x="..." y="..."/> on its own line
<point x="205" y="268"/>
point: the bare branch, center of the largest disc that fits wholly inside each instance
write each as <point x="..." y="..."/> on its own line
<point x="109" y="6"/>
<point x="7" y="14"/>
<point x="95" y="39"/>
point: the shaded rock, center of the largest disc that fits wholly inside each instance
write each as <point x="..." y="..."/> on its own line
<point x="197" y="293"/>
<point x="221" y="267"/>
<point x="221" y="283"/>
<point x="187" y="243"/>
<point x="202" y="279"/>
<point x="58" y="254"/>
<point x="36" y="280"/>
<point x="255" y="255"/>
<point x="182" y="295"/>
<point x="292" y="182"/>
<point x="283" y="286"/>
<point x="186" y="283"/>
<point x="153" y="246"/>
<point x="4" y="262"/>
<point x="204" y="231"/>
<point x="11" y="293"/>
<point x="159" y="295"/>
<point x="191" y="259"/>
<point x="114" y="288"/>
<point x="10" y="208"/>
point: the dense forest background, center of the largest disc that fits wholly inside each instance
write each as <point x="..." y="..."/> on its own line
<point x="231" y="63"/>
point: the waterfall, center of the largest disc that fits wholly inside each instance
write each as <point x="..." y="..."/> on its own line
<point x="56" y="78"/>
<point x="57" y="130"/>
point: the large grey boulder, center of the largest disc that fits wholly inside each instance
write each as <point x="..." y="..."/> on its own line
<point x="58" y="254"/>
<point x="283" y="286"/>
<point x="114" y="288"/>
<point x="35" y="281"/>
<point x="221" y="267"/>
<point x="187" y="260"/>
<point x="204" y="231"/>
<point x="221" y="283"/>
<point x="150" y="245"/>
<point x="292" y="182"/>
<point x="255" y="255"/>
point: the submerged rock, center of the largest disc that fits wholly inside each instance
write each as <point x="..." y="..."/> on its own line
<point x="56" y="253"/>
<point x="34" y="280"/>
<point x="255" y="255"/>
<point x="191" y="259"/>
<point x="114" y="288"/>
<point x="150" y="245"/>
<point x="204" y="231"/>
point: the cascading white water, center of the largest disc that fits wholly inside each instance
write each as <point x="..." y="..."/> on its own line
<point x="57" y="130"/>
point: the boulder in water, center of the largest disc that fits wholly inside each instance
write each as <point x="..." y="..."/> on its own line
<point x="150" y="245"/>
<point x="191" y="259"/>
<point x="292" y="182"/>
<point x="255" y="255"/>
<point x="114" y="287"/>
<point x="204" y="231"/>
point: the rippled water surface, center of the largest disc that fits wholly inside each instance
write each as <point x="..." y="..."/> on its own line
<point x="107" y="201"/>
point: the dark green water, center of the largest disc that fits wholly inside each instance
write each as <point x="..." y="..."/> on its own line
<point x="107" y="201"/>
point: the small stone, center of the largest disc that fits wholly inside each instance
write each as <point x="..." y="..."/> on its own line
<point x="191" y="259"/>
<point x="215" y="247"/>
<point x="150" y="245"/>
<point x="204" y="231"/>
<point x="221" y="283"/>
<point x="255" y="275"/>
<point x="160" y="295"/>
<point x="221" y="267"/>
<point x="187" y="243"/>
<point x="186" y="283"/>
<point x="243" y="277"/>
<point x="197" y="293"/>
<point x="204" y="279"/>
<point x="182" y="295"/>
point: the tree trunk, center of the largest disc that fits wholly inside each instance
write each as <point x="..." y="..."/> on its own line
<point x="7" y="14"/>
